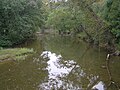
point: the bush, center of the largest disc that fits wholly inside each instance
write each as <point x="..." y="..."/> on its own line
<point x="19" y="19"/>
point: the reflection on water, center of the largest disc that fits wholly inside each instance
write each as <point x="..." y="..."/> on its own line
<point x="59" y="70"/>
<point x="54" y="67"/>
<point x="99" y="86"/>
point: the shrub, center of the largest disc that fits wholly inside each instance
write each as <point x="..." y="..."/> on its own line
<point x="19" y="19"/>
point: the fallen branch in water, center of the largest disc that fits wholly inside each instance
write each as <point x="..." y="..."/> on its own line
<point x="109" y="73"/>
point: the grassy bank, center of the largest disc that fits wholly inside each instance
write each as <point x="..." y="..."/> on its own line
<point x="14" y="54"/>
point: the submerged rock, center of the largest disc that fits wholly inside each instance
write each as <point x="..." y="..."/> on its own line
<point x="99" y="86"/>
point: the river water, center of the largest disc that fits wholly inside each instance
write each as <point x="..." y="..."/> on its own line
<point x="60" y="63"/>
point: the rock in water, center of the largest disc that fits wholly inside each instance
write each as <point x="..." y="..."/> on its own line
<point x="99" y="86"/>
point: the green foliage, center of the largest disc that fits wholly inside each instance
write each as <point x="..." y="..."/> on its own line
<point x="59" y="19"/>
<point x="109" y="10"/>
<point x="97" y="20"/>
<point x="65" y="20"/>
<point x="114" y="19"/>
<point x="19" y="19"/>
<point x="118" y="46"/>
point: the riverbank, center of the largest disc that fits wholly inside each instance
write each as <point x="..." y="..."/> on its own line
<point x="14" y="54"/>
<point x="113" y="48"/>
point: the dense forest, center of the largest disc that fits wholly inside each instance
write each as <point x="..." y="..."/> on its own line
<point x="95" y="21"/>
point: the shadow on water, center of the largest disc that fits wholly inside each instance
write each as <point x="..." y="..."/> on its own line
<point x="59" y="63"/>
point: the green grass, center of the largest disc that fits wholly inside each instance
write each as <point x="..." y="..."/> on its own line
<point x="14" y="53"/>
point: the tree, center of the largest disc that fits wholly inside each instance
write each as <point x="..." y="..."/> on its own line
<point x="19" y="19"/>
<point x="109" y="10"/>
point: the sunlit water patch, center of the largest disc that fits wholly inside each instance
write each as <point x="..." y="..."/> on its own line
<point x="58" y="72"/>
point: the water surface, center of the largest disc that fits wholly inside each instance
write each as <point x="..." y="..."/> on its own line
<point x="60" y="63"/>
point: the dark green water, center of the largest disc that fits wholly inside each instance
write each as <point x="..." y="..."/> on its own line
<point x="60" y="63"/>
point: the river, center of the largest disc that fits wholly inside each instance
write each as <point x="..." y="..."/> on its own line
<point x="60" y="63"/>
